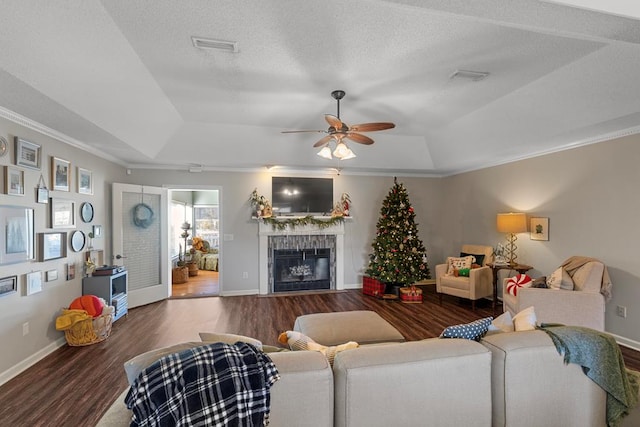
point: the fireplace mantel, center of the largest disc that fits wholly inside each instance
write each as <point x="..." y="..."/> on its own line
<point x="266" y="230"/>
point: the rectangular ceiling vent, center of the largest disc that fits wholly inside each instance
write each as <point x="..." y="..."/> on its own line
<point x="475" y="76"/>
<point x="210" y="44"/>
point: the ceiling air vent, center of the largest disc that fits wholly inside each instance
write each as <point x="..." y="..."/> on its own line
<point x="476" y="76"/>
<point x="209" y="44"/>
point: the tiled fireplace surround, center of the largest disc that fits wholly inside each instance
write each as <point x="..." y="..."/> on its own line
<point x="301" y="237"/>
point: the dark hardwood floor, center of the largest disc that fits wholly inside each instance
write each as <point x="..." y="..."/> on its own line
<point x="74" y="386"/>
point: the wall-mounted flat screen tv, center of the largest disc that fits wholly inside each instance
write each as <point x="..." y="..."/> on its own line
<point x="301" y="196"/>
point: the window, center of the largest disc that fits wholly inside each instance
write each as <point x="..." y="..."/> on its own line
<point x="206" y="224"/>
<point x="180" y="213"/>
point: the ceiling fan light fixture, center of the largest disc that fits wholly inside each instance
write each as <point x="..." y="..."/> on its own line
<point x="213" y="44"/>
<point x="325" y="152"/>
<point x="350" y="155"/>
<point x="341" y="150"/>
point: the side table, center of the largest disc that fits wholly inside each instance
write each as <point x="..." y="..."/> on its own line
<point x="520" y="268"/>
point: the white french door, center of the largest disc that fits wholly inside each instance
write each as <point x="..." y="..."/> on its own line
<point x="140" y="241"/>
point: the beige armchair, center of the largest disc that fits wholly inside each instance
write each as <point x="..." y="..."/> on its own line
<point x="478" y="285"/>
<point x="583" y="306"/>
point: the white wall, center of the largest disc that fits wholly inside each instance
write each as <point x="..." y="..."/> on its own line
<point x="40" y="310"/>
<point x="590" y="197"/>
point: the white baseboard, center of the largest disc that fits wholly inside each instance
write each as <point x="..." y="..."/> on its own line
<point x="353" y="286"/>
<point x="31" y="360"/>
<point x="634" y="345"/>
<point x="239" y="293"/>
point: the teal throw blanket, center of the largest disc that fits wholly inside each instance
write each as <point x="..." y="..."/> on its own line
<point x="601" y="360"/>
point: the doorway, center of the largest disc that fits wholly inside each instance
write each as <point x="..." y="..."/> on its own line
<point x="194" y="229"/>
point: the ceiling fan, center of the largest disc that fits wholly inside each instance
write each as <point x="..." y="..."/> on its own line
<point x="338" y="131"/>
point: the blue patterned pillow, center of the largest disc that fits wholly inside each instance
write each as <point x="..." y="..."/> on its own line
<point x="471" y="331"/>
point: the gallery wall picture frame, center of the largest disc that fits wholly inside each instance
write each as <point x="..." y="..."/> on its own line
<point x="97" y="231"/>
<point x="539" y="228"/>
<point x="62" y="213"/>
<point x="71" y="271"/>
<point x="42" y="192"/>
<point x="28" y="154"/>
<point x="52" y="245"/>
<point x="13" y="181"/>
<point x="19" y="234"/>
<point x="86" y="212"/>
<point x="8" y="285"/>
<point x="51" y="275"/>
<point x="85" y="181"/>
<point x="60" y="174"/>
<point x="33" y="282"/>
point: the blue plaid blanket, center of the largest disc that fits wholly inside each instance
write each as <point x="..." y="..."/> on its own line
<point x="213" y="385"/>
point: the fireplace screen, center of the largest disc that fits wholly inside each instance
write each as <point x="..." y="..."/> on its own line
<point x="301" y="270"/>
<point x="301" y="262"/>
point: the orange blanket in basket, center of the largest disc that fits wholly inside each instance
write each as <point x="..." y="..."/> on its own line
<point x="68" y="318"/>
<point x="91" y="303"/>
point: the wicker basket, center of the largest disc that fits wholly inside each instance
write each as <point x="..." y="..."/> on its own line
<point x="89" y="331"/>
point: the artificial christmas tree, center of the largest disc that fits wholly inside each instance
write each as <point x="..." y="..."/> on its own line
<point x="399" y="258"/>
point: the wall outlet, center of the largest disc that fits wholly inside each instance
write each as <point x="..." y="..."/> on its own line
<point x="621" y="311"/>
<point x="25" y="329"/>
<point x="245" y="275"/>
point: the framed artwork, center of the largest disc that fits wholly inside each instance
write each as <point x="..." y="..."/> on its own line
<point x="52" y="275"/>
<point x="42" y="192"/>
<point x="85" y="181"/>
<point x="13" y="181"/>
<point x="71" y="271"/>
<point x="60" y="174"/>
<point x="28" y="154"/>
<point x="34" y="282"/>
<point x="19" y="237"/>
<point x="52" y="246"/>
<point x="8" y="285"/>
<point x="63" y="214"/>
<point x="97" y="231"/>
<point x="539" y="228"/>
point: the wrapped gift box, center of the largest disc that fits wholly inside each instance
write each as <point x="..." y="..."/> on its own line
<point x="373" y="287"/>
<point x="411" y="294"/>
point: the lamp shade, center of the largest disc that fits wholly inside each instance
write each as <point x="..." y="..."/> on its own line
<point x="325" y="152"/>
<point x="341" y="150"/>
<point x="511" y="222"/>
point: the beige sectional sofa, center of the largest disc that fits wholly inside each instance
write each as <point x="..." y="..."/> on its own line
<point x="508" y="379"/>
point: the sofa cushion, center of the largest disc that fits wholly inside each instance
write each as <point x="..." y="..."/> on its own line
<point x="517" y="282"/>
<point x="525" y="320"/>
<point x="456" y="263"/>
<point x="211" y="337"/>
<point x="477" y="258"/>
<point x="560" y="279"/>
<point x="361" y="326"/>
<point x="502" y="323"/>
<point x="135" y="365"/>
<point x="471" y="331"/>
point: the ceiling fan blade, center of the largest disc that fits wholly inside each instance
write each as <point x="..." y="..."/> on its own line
<point x="370" y="127"/>
<point x="324" y="141"/>
<point x="300" y="131"/>
<point x="360" y="139"/>
<point x="333" y="121"/>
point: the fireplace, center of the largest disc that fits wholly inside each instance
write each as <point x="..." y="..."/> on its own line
<point x="305" y="258"/>
<point x="301" y="270"/>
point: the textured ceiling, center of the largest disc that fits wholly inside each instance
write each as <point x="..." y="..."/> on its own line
<point x="123" y="79"/>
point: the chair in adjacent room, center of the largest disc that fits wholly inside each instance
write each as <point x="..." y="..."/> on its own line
<point x="468" y="275"/>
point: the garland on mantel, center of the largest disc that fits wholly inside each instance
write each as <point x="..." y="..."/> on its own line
<point x="280" y="224"/>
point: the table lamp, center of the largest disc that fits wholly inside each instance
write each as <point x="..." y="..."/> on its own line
<point x="511" y="223"/>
